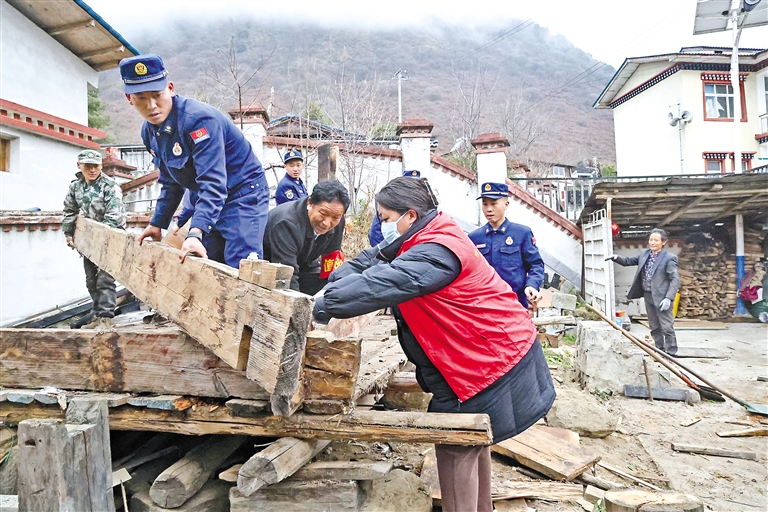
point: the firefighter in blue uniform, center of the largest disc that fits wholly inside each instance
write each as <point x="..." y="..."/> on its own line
<point x="291" y="188"/>
<point x="509" y="248"/>
<point x="196" y="147"/>
<point x="374" y="235"/>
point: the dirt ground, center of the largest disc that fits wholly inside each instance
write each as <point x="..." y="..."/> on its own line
<point x="641" y="446"/>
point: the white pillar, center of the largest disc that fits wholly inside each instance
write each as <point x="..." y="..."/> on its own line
<point x="414" y="143"/>
<point x="491" y="152"/>
<point x="253" y="122"/>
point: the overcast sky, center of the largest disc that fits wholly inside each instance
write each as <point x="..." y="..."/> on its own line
<point x="610" y="30"/>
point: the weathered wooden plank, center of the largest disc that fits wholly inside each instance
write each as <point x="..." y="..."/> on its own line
<point x="325" y="351"/>
<point x="550" y="491"/>
<point x="247" y="407"/>
<point x="748" y="432"/>
<point x="717" y="452"/>
<point x="314" y="496"/>
<point x="55" y="461"/>
<point x="164" y="360"/>
<point x="277" y="462"/>
<point x="632" y="500"/>
<point x="251" y="328"/>
<point x="343" y="470"/>
<point x="550" y="455"/>
<point x="380" y="360"/>
<point x="382" y="426"/>
<point x="177" y="484"/>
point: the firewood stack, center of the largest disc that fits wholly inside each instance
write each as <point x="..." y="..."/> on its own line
<point x="706" y="288"/>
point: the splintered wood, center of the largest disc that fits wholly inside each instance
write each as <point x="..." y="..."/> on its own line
<point x="538" y="449"/>
<point x="251" y="328"/>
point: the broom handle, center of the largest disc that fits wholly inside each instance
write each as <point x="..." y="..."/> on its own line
<point x="656" y="354"/>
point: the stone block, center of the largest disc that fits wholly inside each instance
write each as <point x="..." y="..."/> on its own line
<point x="563" y="301"/>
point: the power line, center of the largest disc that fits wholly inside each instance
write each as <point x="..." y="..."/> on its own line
<point x="514" y="30"/>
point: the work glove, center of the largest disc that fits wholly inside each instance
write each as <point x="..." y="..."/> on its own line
<point x="665" y="305"/>
<point x="70" y="242"/>
<point x="612" y="258"/>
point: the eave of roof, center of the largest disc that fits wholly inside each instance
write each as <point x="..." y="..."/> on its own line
<point x="79" y="29"/>
<point x="678" y="203"/>
<point x="630" y="65"/>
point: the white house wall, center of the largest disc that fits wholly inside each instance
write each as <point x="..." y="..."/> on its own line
<point x="40" y="73"/>
<point x="41" y="170"/>
<point x="646" y="145"/>
<point x="549" y="237"/>
<point x="39" y="272"/>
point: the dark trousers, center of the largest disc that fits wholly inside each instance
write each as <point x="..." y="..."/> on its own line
<point x="101" y="287"/>
<point x="465" y="478"/>
<point x="239" y="230"/>
<point x="662" y="325"/>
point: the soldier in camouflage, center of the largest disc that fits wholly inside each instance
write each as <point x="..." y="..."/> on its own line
<point x="98" y="197"/>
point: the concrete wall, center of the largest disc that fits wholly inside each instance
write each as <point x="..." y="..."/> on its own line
<point x="41" y="170"/>
<point x="38" y="272"/>
<point x="646" y="145"/>
<point x="40" y="73"/>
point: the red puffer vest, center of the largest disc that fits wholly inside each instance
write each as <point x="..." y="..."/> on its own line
<point x="473" y="330"/>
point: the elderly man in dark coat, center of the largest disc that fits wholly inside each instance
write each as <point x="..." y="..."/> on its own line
<point x="299" y="232"/>
<point x="657" y="282"/>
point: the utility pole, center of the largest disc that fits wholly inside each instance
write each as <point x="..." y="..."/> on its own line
<point x="400" y="75"/>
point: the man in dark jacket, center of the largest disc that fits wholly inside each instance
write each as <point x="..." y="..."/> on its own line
<point x="657" y="282"/>
<point x="299" y="232"/>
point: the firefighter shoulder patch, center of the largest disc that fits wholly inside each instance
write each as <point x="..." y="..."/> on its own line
<point x="200" y="135"/>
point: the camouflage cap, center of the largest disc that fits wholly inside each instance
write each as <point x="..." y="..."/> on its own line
<point x="89" y="156"/>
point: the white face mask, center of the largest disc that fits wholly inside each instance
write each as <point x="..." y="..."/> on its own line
<point x="389" y="231"/>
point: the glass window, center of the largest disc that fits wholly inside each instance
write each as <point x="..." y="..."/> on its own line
<point x="5" y="155"/>
<point x="714" y="166"/>
<point x="558" y="171"/>
<point x="719" y="101"/>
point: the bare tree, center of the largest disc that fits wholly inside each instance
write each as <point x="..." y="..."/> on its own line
<point x="522" y="125"/>
<point x="473" y="90"/>
<point x="356" y="108"/>
<point x="233" y="79"/>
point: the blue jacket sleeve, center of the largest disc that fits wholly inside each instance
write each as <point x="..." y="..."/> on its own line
<point x="421" y="270"/>
<point x="532" y="262"/>
<point x="374" y="235"/>
<point x="211" y="167"/>
<point x="187" y="207"/>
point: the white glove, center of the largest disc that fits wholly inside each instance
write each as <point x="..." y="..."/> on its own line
<point x="664" y="305"/>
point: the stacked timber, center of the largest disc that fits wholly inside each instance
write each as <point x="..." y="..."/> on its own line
<point x="705" y="288"/>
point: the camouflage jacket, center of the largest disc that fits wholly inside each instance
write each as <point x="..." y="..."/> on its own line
<point x="102" y="200"/>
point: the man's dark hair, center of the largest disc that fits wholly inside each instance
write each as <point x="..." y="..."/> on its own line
<point x="661" y="232"/>
<point x="329" y="191"/>
<point x="403" y="194"/>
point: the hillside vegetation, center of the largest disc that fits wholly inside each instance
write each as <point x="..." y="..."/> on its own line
<point x="534" y="87"/>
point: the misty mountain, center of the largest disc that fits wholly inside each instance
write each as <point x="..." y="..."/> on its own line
<point x="459" y="78"/>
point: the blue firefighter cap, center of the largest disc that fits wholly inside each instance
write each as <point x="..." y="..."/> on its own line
<point x="494" y="190"/>
<point x="293" y="154"/>
<point x="143" y="73"/>
<point x="412" y="174"/>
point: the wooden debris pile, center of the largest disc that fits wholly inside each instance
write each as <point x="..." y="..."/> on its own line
<point x="707" y="290"/>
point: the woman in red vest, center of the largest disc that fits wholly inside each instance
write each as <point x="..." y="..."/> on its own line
<point x="458" y="322"/>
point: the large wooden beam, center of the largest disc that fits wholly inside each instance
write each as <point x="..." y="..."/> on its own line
<point x="361" y="425"/>
<point x="251" y="328"/>
<point x="162" y="361"/>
